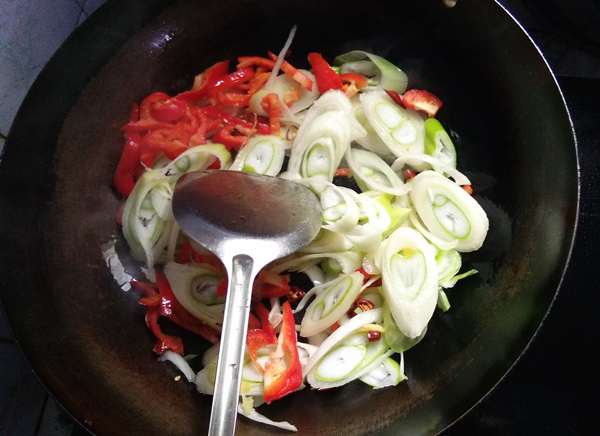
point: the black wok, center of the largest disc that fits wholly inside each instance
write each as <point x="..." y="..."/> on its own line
<point x="86" y="338"/>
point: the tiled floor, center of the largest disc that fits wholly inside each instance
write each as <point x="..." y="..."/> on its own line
<point x="30" y="32"/>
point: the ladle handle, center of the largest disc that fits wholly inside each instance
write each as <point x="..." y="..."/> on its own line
<point x="233" y="345"/>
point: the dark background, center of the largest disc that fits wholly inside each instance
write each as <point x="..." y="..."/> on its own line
<point x="552" y="388"/>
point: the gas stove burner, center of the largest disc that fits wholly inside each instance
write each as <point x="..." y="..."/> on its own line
<point x="575" y="20"/>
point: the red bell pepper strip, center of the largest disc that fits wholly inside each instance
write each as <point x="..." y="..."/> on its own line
<point x="255" y="340"/>
<point x="235" y="99"/>
<point x="146" y="120"/>
<point x="283" y="371"/>
<point x="295" y="294"/>
<point x="423" y="101"/>
<point x="286" y="67"/>
<point x="294" y="73"/>
<point x="165" y="342"/>
<point x="152" y="300"/>
<point x="201" y="81"/>
<point x="124" y="179"/>
<point x="170" y="142"/>
<point x="242" y="126"/>
<point x="187" y="254"/>
<point x="253" y="322"/>
<point x="222" y="287"/>
<point x="395" y="96"/>
<point x="258" y="338"/>
<point x="232" y="80"/>
<point x="262" y="126"/>
<point x="357" y="79"/>
<point x="271" y="105"/>
<point x="258" y="82"/>
<point x="272" y="285"/>
<point x="326" y="78"/>
<point x="151" y="295"/>
<point x="353" y="83"/>
<point x="172" y="309"/>
<point x="263" y="315"/>
<point x="169" y="110"/>
<point x="225" y="137"/>
<point x="199" y="121"/>
<point x="247" y="61"/>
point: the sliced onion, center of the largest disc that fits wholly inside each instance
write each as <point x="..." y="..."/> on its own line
<point x="409" y="278"/>
<point x="440" y="243"/>
<point x="449" y="212"/>
<point x="281" y="58"/>
<point x="196" y="158"/>
<point x="438" y="143"/>
<point x="423" y="162"/>
<point x="381" y="73"/>
<point x="180" y="363"/>
<point x="183" y="279"/>
<point x="333" y="300"/>
<point x="348" y="361"/>
<point x="263" y="154"/>
<point x="322" y="139"/>
<point x="388" y="373"/>
<point x="327" y="241"/>
<point x="371" y="140"/>
<point x="356" y="322"/>
<point x="373" y="173"/>
<point x="147" y="234"/>
<point x="255" y="416"/>
<point x="449" y="263"/>
<point x="402" y="130"/>
<point x="349" y="260"/>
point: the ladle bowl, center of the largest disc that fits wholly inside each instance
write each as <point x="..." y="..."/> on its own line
<point x="246" y="220"/>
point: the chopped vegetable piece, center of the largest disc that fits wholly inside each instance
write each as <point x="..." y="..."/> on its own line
<point x="423" y="101"/>
<point x="283" y="371"/>
<point x="327" y="79"/>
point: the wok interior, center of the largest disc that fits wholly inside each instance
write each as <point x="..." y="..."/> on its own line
<point x="514" y="141"/>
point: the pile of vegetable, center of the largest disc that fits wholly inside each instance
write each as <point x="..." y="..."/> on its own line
<point x="389" y="247"/>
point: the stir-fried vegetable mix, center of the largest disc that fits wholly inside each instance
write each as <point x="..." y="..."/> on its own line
<point x="387" y="250"/>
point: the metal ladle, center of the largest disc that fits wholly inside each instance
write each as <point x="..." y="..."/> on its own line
<point x="247" y="221"/>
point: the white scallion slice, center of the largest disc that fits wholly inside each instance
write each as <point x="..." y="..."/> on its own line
<point x="397" y="340"/>
<point x="448" y="212"/>
<point x="264" y="154"/>
<point x="195" y="288"/>
<point x="255" y="416"/>
<point x="423" y="162"/>
<point x="443" y="302"/>
<point x="332" y="301"/>
<point x="402" y="130"/>
<point x="371" y="141"/>
<point x="348" y="360"/>
<point x="349" y="260"/>
<point x="196" y="158"/>
<point x="449" y="263"/>
<point x="180" y="363"/>
<point x="409" y="278"/>
<point x="147" y="234"/>
<point x="388" y="373"/>
<point x="381" y="73"/>
<point x="372" y="173"/>
<point x="346" y="329"/>
<point x="327" y="241"/>
<point x="322" y="139"/>
<point x="438" y="143"/>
